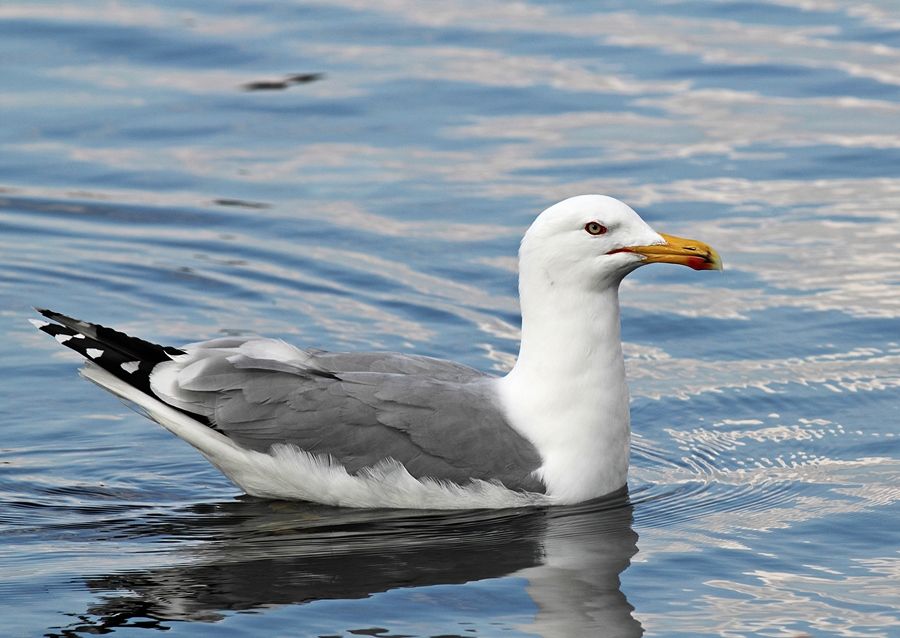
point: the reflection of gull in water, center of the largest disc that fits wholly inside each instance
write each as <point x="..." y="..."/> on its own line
<point x="393" y="430"/>
<point x="267" y="554"/>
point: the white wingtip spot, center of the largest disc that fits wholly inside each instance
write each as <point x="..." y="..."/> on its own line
<point x="78" y="335"/>
<point x="37" y="323"/>
<point x="131" y="366"/>
<point x="93" y="353"/>
<point x="62" y="338"/>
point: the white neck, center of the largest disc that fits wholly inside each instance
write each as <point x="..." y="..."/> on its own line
<point x="567" y="392"/>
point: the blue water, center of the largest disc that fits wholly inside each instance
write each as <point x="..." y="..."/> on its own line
<point x="147" y="184"/>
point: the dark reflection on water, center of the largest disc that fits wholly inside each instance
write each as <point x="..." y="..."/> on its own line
<point x="257" y="554"/>
<point x="280" y="85"/>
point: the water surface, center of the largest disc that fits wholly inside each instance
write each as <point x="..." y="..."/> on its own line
<point x="356" y="175"/>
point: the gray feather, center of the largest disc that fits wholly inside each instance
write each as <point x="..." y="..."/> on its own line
<point x="438" y="418"/>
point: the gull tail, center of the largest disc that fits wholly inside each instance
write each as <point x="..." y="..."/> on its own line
<point x="125" y="357"/>
<point x="122" y="364"/>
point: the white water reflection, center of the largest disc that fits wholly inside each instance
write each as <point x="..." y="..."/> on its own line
<point x="787" y="604"/>
<point x="487" y="67"/>
<point x="655" y="374"/>
<point x="710" y="40"/>
<point x="137" y="15"/>
<point x="737" y="125"/>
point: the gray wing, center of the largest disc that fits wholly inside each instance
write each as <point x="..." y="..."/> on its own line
<point x="438" y="418"/>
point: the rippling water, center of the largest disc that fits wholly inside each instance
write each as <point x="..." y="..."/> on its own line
<point x="356" y="175"/>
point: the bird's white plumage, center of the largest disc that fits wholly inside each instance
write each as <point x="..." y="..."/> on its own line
<point x="567" y="391"/>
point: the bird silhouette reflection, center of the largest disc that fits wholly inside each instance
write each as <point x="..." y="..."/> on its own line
<point x="254" y="555"/>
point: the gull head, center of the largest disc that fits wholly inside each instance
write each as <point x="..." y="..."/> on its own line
<point x="593" y="241"/>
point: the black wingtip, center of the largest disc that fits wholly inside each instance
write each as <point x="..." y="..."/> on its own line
<point x="108" y="348"/>
<point x="128" y="358"/>
<point x="44" y="326"/>
<point x="133" y="346"/>
<point x="59" y="317"/>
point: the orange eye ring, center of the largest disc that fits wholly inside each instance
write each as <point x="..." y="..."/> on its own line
<point x="595" y="228"/>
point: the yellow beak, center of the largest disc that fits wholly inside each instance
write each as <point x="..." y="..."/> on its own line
<point x="678" y="250"/>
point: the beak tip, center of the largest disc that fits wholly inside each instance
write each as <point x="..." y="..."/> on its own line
<point x="678" y="250"/>
<point x="708" y="262"/>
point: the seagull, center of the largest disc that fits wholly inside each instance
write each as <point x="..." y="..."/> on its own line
<point x="390" y="430"/>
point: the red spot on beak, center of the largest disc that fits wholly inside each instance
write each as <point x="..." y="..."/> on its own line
<point x="697" y="263"/>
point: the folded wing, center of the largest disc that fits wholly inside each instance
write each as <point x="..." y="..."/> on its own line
<point x="437" y="418"/>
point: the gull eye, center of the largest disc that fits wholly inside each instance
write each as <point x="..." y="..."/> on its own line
<point x="595" y="228"/>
